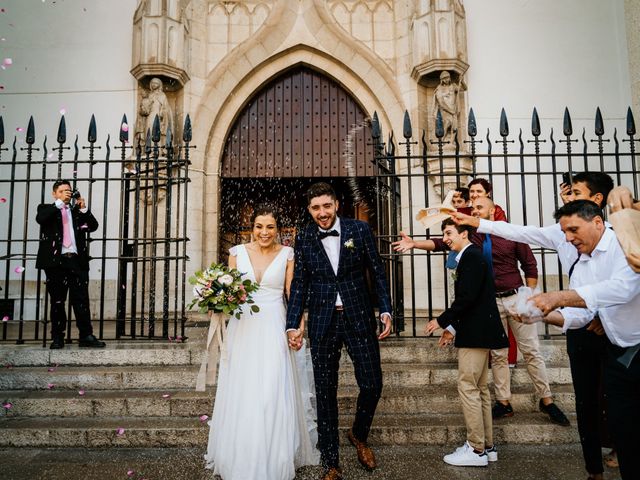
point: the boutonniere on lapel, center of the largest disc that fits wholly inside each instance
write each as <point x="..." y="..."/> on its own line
<point x="349" y="245"/>
<point x="454" y="274"/>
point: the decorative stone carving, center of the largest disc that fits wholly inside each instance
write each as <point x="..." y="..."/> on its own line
<point x="370" y="21"/>
<point x="439" y="38"/>
<point x="160" y="33"/>
<point x="445" y="100"/>
<point x="230" y="23"/>
<point x="153" y="102"/>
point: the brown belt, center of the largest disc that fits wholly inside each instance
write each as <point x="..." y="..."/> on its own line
<point x="508" y="293"/>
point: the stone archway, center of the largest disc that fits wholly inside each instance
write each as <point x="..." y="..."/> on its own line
<point x="300" y="127"/>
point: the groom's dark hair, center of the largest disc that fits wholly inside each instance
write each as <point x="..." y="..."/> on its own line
<point x="319" y="189"/>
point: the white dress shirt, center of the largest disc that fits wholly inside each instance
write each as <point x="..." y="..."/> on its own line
<point x="603" y="279"/>
<point x="331" y="246"/>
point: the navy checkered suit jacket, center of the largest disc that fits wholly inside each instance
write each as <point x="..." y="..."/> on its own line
<point x="315" y="286"/>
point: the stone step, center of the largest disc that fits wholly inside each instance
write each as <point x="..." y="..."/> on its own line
<point x="184" y="377"/>
<point x="410" y="350"/>
<point x="180" y="432"/>
<point x="434" y="399"/>
<point x="116" y="353"/>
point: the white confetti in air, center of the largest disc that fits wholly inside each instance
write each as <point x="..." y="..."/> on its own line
<point x="63" y="111"/>
<point x="19" y="270"/>
<point x="125" y="127"/>
<point x="7" y="61"/>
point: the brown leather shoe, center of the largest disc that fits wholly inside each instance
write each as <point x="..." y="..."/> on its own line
<point x="332" y="474"/>
<point x="365" y="454"/>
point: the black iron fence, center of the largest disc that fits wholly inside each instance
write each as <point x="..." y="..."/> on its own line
<point x="525" y="171"/>
<point x="138" y="194"/>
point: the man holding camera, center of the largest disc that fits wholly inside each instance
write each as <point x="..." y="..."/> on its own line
<point x="63" y="254"/>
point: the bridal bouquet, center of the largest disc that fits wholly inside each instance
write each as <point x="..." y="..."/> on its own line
<point x="222" y="290"/>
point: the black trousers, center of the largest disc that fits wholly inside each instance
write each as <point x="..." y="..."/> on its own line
<point x="622" y="386"/>
<point x="74" y="280"/>
<point x="364" y="351"/>
<point x="587" y="353"/>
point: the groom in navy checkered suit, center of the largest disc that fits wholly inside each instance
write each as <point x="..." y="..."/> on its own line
<point x="332" y="256"/>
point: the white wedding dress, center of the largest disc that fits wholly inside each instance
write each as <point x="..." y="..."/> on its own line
<point x="263" y="423"/>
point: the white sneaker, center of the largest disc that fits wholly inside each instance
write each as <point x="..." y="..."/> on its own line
<point x="466" y="457"/>
<point x="492" y="453"/>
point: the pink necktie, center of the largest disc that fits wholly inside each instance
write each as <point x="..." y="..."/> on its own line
<point x="66" y="228"/>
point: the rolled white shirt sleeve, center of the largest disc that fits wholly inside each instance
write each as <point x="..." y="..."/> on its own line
<point x="576" y="317"/>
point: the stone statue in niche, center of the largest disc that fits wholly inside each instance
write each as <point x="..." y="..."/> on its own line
<point x="153" y="102"/>
<point x="445" y="99"/>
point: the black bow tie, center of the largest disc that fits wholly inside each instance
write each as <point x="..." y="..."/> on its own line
<point x="330" y="233"/>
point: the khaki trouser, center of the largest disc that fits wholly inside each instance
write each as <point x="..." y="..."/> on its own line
<point x="529" y="344"/>
<point x="473" y="370"/>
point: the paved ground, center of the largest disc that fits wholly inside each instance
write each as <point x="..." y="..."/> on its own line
<point x="515" y="463"/>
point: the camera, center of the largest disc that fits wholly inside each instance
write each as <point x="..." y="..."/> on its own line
<point x="75" y="195"/>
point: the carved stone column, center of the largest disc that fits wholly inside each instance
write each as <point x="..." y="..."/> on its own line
<point x="439" y="63"/>
<point x="160" y="43"/>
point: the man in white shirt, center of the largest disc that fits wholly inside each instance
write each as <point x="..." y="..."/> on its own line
<point x="599" y="273"/>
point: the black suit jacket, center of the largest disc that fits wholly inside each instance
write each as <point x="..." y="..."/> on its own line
<point x="50" y="219"/>
<point x="316" y="286"/>
<point x="474" y="313"/>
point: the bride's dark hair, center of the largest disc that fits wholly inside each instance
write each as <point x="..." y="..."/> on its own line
<point x="265" y="209"/>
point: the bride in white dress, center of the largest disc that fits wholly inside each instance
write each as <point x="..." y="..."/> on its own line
<point x="263" y="424"/>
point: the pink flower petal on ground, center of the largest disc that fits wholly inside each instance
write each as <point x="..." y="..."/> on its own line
<point x="81" y="392"/>
<point x="124" y="127"/>
<point x="166" y="395"/>
<point x="5" y="318"/>
<point x="120" y="431"/>
<point x="7" y="405"/>
<point x="130" y="473"/>
<point x="204" y="418"/>
<point x="50" y="386"/>
<point x="170" y="339"/>
<point x="9" y="366"/>
<point x="19" y="269"/>
<point x="51" y="369"/>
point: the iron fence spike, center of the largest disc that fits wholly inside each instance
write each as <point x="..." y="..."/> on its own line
<point x="599" y="123"/>
<point x="92" y="137"/>
<point x="1" y="131"/>
<point x="439" y="125"/>
<point x="375" y="126"/>
<point x="124" y="129"/>
<point x="504" y="124"/>
<point x="186" y="133"/>
<point x="406" y="128"/>
<point x="147" y="143"/>
<point x="62" y="131"/>
<point x="155" y="131"/>
<point x="631" y="124"/>
<point x="31" y="132"/>
<point x="535" y="123"/>
<point x="472" y="128"/>
<point x="567" y="129"/>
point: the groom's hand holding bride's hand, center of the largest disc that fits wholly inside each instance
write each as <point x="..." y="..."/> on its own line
<point x="295" y="339"/>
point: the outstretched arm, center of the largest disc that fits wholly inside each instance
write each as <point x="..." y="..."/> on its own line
<point x="407" y="243"/>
